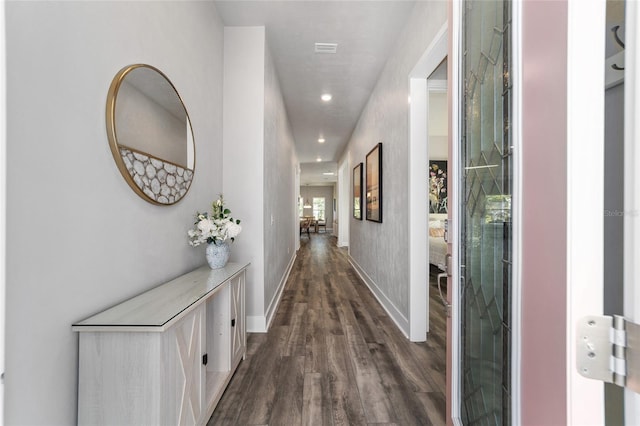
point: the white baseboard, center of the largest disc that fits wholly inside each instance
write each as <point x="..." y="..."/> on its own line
<point x="398" y="318"/>
<point x="256" y="324"/>
<point x="261" y="323"/>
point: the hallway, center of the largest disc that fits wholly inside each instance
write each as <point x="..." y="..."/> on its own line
<point x="334" y="357"/>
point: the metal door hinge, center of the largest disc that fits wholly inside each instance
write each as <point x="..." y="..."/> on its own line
<point x="608" y="349"/>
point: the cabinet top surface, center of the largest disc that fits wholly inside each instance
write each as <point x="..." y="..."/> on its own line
<point x="158" y="306"/>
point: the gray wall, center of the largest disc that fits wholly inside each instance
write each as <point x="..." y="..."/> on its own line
<point x="260" y="163"/>
<point x="328" y="192"/>
<point x="280" y="163"/>
<point x="78" y="238"/>
<point x="385" y="119"/>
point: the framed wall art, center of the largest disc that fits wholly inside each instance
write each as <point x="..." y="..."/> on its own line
<point x="374" y="184"/>
<point x="438" y="186"/>
<point x="357" y="191"/>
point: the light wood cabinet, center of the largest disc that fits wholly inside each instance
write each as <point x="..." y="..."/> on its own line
<point x="165" y="356"/>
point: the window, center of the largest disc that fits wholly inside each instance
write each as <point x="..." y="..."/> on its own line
<point x="318" y="208"/>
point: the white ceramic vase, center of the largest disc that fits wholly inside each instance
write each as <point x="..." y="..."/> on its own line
<point x="218" y="254"/>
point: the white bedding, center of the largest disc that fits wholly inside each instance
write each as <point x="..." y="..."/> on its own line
<point x="437" y="251"/>
<point x="437" y="245"/>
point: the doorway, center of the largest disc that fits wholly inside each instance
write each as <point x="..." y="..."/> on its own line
<point x="433" y="56"/>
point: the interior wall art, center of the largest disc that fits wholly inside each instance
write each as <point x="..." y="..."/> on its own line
<point x="374" y="184"/>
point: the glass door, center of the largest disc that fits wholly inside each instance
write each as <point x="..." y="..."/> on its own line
<point x="485" y="213"/>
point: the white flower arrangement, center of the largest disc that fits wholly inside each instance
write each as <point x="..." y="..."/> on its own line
<point x="215" y="227"/>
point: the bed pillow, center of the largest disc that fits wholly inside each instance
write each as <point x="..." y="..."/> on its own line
<point x="436" y="232"/>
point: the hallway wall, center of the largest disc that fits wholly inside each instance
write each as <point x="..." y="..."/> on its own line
<point x="78" y="238"/>
<point x="260" y="164"/>
<point x="380" y="251"/>
<point x="280" y="212"/>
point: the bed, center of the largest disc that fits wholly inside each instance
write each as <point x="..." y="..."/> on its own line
<point x="437" y="244"/>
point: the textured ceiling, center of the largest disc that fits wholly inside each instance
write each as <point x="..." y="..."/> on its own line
<point x="365" y="32"/>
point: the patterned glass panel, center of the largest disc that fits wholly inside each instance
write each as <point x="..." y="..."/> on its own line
<point x="486" y="213"/>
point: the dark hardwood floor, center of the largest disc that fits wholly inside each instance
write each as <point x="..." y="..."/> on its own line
<point x="334" y="357"/>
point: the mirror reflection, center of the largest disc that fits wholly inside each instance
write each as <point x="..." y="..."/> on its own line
<point x="150" y="134"/>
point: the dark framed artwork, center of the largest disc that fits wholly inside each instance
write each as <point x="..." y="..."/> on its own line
<point x="438" y="187"/>
<point x="374" y="184"/>
<point x="357" y="191"/>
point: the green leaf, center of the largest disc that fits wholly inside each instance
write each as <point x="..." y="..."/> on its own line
<point x="227" y="211"/>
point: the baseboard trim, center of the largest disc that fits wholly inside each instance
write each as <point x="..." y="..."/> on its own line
<point x="256" y="324"/>
<point x="398" y="318"/>
<point x="275" y="301"/>
<point x="261" y="323"/>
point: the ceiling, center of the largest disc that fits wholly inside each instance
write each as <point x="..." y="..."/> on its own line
<point x="365" y="32"/>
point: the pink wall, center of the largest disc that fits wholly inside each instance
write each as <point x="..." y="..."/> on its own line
<point x="544" y="55"/>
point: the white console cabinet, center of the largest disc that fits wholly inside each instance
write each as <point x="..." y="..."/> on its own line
<point x="165" y="356"/>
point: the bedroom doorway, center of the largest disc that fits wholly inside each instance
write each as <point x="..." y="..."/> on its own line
<point x="419" y="309"/>
<point x="437" y="160"/>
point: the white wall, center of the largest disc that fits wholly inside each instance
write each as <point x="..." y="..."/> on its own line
<point x="259" y="164"/>
<point x="380" y="251"/>
<point x="438" y="139"/>
<point x="78" y="238"/>
<point x="244" y="115"/>
<point x="344" y="201"/>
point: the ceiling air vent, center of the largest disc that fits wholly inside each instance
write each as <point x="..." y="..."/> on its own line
<point x="326" y="47"/>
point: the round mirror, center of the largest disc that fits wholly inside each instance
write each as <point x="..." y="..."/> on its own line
<point x="150" y="134"/>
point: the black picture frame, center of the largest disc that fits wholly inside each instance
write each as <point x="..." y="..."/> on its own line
<point x="373" y="185"/>
<point x="357" y="192"/>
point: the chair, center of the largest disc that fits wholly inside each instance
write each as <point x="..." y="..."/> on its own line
<point x="321" y="224"/>
<point x="305" y="224"/>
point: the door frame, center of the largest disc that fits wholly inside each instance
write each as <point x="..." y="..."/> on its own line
<point x="632" y="183"/>
<point x="344" y="205"/>
<point x="433" y="55"/>
<point x="3" y="199"/>
<point x="585" y="159"/>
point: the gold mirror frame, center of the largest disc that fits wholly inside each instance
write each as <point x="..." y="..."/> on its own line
<point x="157" y="180"/>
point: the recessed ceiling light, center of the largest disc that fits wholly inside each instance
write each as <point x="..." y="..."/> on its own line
<point x="328" y="173"/>
<point x="321" y="140"/>
<point x="326" y="97"/>
<point x="318" y="159"/>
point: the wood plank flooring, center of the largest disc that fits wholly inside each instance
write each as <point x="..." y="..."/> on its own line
<point x="334" y="357"/>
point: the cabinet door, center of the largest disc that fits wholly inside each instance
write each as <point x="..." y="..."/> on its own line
<point x="238" y="333"/>
<point x="184" y="372"/>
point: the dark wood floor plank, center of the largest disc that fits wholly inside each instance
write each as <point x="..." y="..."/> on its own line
<point x="261" y="391"/>
<point x="331" y="315"/>
<point x="434" y="403"/>
<point x="408" y="408"/>
<point x="345" y="397"/>
<point x="287" y="405"/>
<point x="316" y="405"/>
<point x="295" y="345"/>
<point x="315" y="343"/>
<point x="334" y="357"/>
